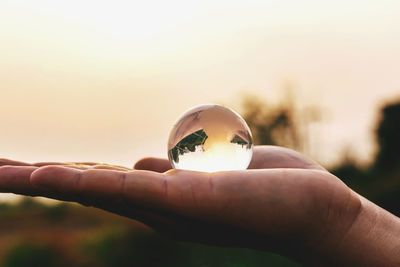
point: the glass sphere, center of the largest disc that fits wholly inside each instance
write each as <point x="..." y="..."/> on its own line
<point x="210" y="138"/>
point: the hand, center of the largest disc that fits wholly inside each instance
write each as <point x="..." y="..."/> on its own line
<point x="284" y="203"/>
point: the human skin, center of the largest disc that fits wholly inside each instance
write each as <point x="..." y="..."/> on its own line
<point x="284" y="203"/>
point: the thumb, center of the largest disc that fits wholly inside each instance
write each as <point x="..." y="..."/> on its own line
<point x="153" y="164"/>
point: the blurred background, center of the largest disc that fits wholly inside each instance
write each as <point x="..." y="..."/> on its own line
<point x="105" y="81"/>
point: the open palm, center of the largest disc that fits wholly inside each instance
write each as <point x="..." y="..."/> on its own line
<point x="284" y="202"/>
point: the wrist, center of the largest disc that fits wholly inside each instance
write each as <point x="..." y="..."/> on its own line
<point x="362" y="234"/>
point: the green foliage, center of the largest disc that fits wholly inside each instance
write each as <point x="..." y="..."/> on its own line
<point x="240" y="141"/>
<point x="30" y="254"/>
<point x="28" y="203"/>
<point x="189" y="143"/>
<point x="139" y="248"/>
<point x="57" y="212"/>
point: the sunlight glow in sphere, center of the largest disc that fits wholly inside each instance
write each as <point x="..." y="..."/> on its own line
<point x="210" y="138"/>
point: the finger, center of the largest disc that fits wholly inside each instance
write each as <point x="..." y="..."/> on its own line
<point x="268" y="157"/>
<point x="81" y="185"/>
<point x="4" y="162"/>
<point x="16" y="179"/>
<point x="47" y="163"/>
<point x="98" y="167"/>
<point x="83" y="165"/>
<point x="110" y="167"/>
<point x="76" y="165"/>
<point x="153" y="164"/>
<point x="104" y="189"/>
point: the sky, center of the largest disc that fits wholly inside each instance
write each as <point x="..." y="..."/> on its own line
<point x="106" y="80"/>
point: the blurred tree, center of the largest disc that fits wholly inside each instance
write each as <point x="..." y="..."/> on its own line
<point x="271" y="126"/>
<point x="379" y="182"/>
<point x="388" y="135"/>
<point x="281" y="125"/>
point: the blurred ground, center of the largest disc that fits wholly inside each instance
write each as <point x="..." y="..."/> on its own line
<point x="33" y="234"/>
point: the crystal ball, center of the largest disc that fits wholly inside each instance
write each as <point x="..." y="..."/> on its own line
<point x="210" y="138"/>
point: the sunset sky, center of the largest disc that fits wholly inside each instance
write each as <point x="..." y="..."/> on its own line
<point x="105" y="80"/>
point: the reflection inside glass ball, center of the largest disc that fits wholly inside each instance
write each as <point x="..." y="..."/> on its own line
<point x="210" y="138"/>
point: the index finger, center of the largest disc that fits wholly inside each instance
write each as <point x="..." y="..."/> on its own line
<point x="82" y="186"/>
<point x="4" y="162"/>
<point x="16" y="179"/>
